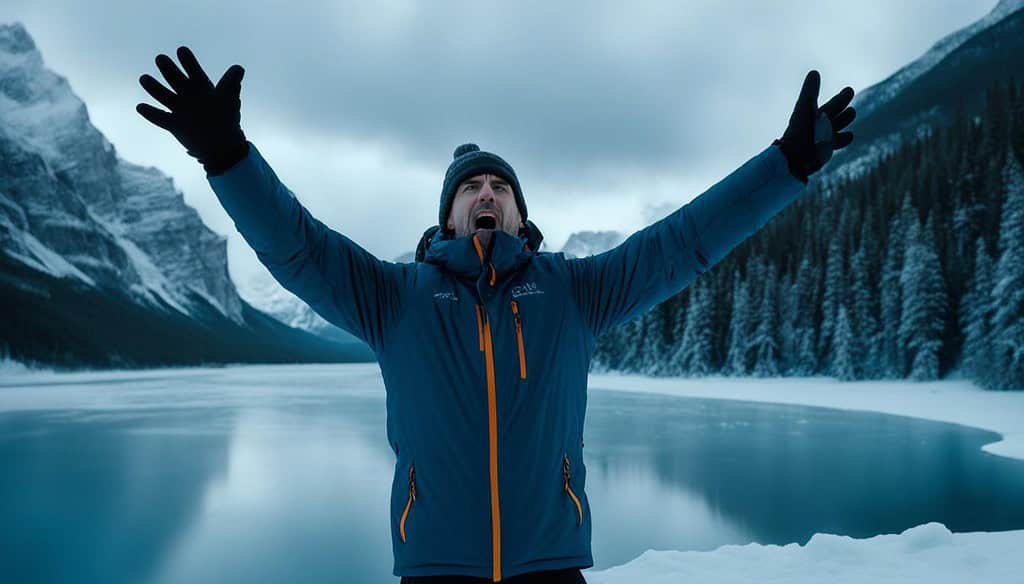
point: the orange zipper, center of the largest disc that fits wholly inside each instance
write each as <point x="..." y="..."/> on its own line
<point x="412" y="497"/>
<point x="479" y="326"/>
<point x="568" y="489"/>
<point x="492" y="423"/>
<point x="519" y="337"/>
<point x="480" y="252"/>
<point x="483" y="322"/>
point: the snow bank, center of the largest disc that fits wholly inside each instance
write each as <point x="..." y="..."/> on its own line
<point x="926" y="553"/>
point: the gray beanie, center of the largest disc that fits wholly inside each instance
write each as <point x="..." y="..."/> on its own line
<point x="470" y="161"/>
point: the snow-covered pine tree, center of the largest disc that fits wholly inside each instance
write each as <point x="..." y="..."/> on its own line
<point x="864" y="325"/>
<point x="756" y="267"/>
<point x="1007" y="322"/>
<point x="975" y="311"/>
<point x="642" y="356"/>
<point x="661" y="350"/>
<point x="844" y="358"/>
<point x="632" y="340"/>
<point x="891" y="292"/>
<point x="620" y="345"/>
<point x="834" y="296"/>
<point x="967" y="218"/>
<point x="924" y="302"/>
<point x="607" y="351"/>
<point x="805" y="361"/>
<point x="696" y="352"/>
<point x="871" y="262"/>
<point x="718" y="294"/>
<point x="653" y="350"/>
<point x="788" y="312"/>
<point x="673" y="366"/>
<point x="765" y="342"/>
<point x="739" y="329"/>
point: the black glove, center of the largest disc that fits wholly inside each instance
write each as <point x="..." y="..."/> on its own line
<point x="813" y="133"/>
<point x="204" y="118"/>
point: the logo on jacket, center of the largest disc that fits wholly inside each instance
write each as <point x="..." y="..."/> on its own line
<point x="446" y="296"/>
<point x="526" y="289"/>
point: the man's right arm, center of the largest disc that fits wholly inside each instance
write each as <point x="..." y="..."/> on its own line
<point x="340" y="280"/>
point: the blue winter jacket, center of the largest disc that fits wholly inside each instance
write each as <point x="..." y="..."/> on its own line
<point x="485" y="353"/>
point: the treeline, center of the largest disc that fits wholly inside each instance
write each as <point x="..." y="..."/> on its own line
<point x="909" y="271"/>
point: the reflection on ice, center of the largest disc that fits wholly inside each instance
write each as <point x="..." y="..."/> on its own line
<point x="633" y="510"/>
<point x="304" y="498"/>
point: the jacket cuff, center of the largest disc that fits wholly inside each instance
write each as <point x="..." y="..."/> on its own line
<point x="227" y="161"/>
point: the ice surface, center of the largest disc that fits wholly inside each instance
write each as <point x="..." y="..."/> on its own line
<point x="958" y="400"/>
<point x="925" y="553"/>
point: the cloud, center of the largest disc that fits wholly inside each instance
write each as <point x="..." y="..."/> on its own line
<point x="604" y="108"/>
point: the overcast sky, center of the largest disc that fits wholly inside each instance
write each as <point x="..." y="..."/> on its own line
<point x="610" y="112"/>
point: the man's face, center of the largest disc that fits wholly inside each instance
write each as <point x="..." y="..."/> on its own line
<point x="482" y="204"/>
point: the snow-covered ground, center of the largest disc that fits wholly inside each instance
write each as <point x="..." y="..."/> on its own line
<point x="926" y="553"/>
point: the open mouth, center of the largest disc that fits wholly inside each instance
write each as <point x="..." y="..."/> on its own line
<point x="485" y="222"/>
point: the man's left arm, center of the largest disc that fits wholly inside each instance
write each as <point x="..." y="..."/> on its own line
<point x="663" y="258"/>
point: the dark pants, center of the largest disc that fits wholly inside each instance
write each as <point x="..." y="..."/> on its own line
<point x="565" y="576"/>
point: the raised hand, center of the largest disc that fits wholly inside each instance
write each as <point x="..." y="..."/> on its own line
<point x="203" y="117"/>
<point x="813" y="132"/>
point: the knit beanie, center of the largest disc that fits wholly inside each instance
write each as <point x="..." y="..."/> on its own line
<point x="469" y="161"/>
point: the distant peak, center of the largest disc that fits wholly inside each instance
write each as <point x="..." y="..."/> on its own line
<point x="15" y="39"/>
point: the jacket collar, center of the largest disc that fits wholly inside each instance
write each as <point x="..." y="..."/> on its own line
<point x="466" y="257"/>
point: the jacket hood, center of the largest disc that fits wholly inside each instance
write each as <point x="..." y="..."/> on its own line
<point x="531" y="236"/>
<point x="466" y="257"/>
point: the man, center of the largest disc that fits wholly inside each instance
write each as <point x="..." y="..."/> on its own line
<point x="484" y="343"/>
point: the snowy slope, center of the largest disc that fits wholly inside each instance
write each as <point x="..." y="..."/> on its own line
<point x="925" y="93"/>
<point x="869" y="99"/>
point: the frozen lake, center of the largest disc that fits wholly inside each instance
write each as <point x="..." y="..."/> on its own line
<point x="282" y="474"/>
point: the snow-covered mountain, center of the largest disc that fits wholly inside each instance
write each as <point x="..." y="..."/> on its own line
<point x="266" y="294"/>
<point x="877" y="94"/>
<point x="588" y="243"/>
<point x="72" y="208"/>
<point x="926" y="92"/>
<point x="77" y="221"/>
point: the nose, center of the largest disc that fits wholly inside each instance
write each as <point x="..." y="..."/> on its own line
<point x="486" y="192"/>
